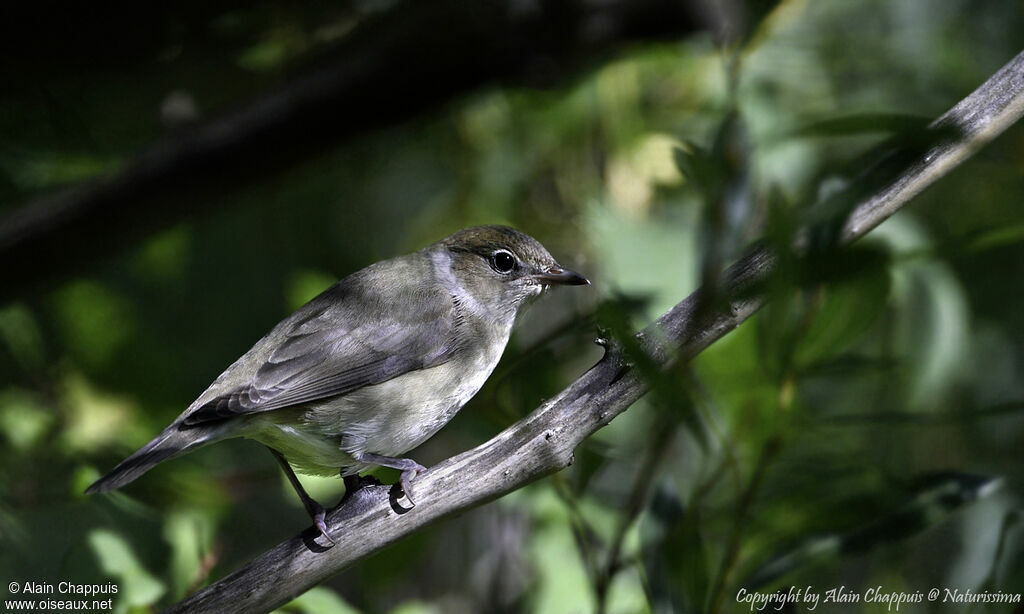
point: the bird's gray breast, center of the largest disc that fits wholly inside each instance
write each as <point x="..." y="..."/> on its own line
<point x="395" y="416"/>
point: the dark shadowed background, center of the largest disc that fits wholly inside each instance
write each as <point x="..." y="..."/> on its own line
<point x="864" y="430"/>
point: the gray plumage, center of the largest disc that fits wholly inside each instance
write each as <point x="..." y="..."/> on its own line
<point x="374" y="365"/>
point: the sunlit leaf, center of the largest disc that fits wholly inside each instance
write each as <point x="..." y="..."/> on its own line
<point x="933" y="317"/>
<point x="96" y="417"/>
<point x="24" y="420"/>
<point x="416" y="607"/>
<point x="190" y="533"/>
<point x="136" y="586"/>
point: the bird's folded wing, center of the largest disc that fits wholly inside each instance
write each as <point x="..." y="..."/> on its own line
<point x="321" y="355"/>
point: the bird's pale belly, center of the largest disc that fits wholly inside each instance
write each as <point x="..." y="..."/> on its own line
<point x="387" y="419"/>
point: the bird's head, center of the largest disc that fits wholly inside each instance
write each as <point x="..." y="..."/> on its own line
<point x="503" y="268"/>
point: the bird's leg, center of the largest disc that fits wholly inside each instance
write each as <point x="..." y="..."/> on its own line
<point x="407" y="466"/>
<point x="314" y="509"/>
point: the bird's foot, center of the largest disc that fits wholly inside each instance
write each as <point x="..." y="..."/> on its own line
<point x="320" y="521"/>
<point x="409" y="468"/>
<point x="407" y="477"/>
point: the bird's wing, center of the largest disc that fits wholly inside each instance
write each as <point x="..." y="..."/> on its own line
<point x="338" y="343"/>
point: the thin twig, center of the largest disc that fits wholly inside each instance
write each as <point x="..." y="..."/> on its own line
<point x="586" y="538"/>
<point x="663" y="431"/>
<point x="747" y="497"/>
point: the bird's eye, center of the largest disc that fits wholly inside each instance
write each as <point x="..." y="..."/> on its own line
<point x="503" y="261"/>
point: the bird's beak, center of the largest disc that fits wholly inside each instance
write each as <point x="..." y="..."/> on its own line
<point x="558" y="275"/>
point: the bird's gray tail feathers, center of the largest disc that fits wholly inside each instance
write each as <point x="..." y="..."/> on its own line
<point x="174" y="440"/>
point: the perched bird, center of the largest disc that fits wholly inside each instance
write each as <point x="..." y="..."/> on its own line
<point x="373" y="366"/>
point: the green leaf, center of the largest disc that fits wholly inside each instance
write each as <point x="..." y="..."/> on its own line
<point x="416" y="607"/>
<point x="190" y="535"/>
<point x="321" y="600"/>
<point x="20" y="333"/>
<point x="136" y="586"/>
<point x="24" y="419"/>
<point x="847" y="308"/>
<point x="993" y="238"/>
<point x="95" y="322"/>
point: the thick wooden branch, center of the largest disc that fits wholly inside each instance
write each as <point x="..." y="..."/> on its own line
<point x="416" y="57"/>
<point x="543" y="442"/>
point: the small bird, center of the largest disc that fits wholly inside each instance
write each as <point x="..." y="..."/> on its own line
<point x="370" y="368"/>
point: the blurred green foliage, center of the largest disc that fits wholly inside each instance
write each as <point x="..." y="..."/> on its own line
<point x="863" y="429"/>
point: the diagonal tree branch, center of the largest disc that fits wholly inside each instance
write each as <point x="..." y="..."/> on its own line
<point x="543" y="442"/>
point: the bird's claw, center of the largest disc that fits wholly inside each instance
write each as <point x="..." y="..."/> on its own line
<point x="405" y="480"/>
<point x="320" y="520"/>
